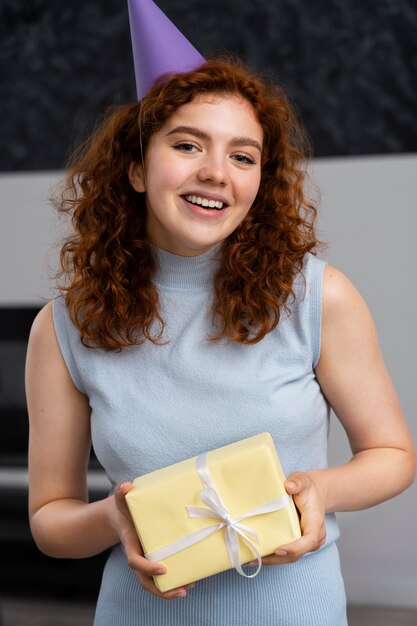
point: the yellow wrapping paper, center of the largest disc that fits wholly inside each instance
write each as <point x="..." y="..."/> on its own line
<point x="246" y="474"/>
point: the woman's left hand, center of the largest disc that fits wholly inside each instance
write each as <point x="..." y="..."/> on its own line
<point x="308" y="499"/>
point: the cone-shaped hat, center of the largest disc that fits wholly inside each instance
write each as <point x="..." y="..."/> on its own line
<point x="158" y="46"/>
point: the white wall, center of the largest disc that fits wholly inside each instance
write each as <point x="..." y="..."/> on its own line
<point x="368" y="217"/>
<point x="29" y="231"/>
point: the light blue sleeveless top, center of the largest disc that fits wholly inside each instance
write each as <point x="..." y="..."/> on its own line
<point x="156" y="405"/>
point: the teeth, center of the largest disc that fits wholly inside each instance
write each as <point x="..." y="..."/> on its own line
<point x="205" y="202"/>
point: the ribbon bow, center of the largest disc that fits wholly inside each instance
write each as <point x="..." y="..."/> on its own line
<point x="217" y="510"/>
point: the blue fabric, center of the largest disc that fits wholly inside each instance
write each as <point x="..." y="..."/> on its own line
<point x="157" y="405"/>
<point x="307" y="593"/>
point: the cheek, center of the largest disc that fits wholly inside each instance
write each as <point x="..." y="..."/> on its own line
<point x="166" y="179"/>
<point x="250" y="190"/>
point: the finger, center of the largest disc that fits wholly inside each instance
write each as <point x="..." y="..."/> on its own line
<point x="142" y="565"/>
<point x="135" y="558"/>
<point x="288" y="553"/>
<point x="124" y="488"/>
<point x="145" y="569"/>
<point x="120" y="492"/>
<point x="179" y="592"/>
<point x="297" y="482"/>
<point x="309" y="542"/>
<point x="128" y="536"/>
<point x="273" y="559"/>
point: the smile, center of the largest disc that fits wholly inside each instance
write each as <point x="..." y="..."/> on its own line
<point x="205" y="202"/>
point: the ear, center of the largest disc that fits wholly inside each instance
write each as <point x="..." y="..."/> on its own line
<point x="136" y="177"/>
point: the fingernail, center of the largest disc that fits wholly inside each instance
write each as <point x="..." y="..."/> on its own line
<point x="291" y="485"/>
<point x="253" y="563"/>
<point x="281" y="552"/>
<point x="181" y="594"/>
<point x="161" y="570"/>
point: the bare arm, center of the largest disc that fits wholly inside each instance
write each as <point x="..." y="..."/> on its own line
<point x="63" y="523"/>
<point x="353" y="377"/>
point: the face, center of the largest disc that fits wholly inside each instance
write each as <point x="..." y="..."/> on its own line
<point x="202" y="174"/>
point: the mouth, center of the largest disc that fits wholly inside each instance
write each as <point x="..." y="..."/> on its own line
<point x="205" y="203"/>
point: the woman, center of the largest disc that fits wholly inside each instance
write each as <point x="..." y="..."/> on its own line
<point x="195" y="315"/>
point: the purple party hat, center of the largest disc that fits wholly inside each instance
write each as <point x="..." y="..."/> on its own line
<point x="158" y="46"/>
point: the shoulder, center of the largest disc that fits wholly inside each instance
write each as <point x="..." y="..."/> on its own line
<point x="43" y="326"/>
<point x="43" y="346"/>
<point x="341" y="299"/>
<point x="48" y="321"/>
<point x="347" y="324"/>
<point x="46" y="366"/>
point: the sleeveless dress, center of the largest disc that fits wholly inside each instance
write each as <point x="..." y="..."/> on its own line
<point x="152" y="406"/>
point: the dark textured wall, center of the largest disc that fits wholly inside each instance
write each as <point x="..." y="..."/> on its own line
<point x="350" y="65"/>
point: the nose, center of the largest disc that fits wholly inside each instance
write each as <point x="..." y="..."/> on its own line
<point x="214" y="169"/>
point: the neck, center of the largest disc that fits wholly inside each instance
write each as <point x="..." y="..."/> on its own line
<point x="186" y="272"/>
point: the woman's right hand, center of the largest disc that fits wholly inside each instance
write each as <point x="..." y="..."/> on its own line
<point x="143" y="568"/>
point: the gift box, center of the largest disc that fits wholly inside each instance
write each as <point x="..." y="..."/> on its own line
<point x="213" y="512"/>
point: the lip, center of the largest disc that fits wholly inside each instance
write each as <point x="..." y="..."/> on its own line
<point x="205" y="213"/>
<point x="210" y="196"/>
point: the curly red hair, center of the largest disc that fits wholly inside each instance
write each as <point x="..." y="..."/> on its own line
<point x="108" y="263"/>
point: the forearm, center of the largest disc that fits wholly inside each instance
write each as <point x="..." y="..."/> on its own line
<point x="370" y="477"/>
<point x="71" y="528"/>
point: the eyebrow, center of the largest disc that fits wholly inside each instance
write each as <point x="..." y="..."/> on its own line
<point x="201" y="134"/>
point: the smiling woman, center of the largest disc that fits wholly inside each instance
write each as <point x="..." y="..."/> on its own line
<point x="196" y="313"/>
<point x="217" y="134"/>
<point x="200" y="179"/>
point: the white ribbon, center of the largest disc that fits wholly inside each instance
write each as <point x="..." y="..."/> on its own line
<point x="217" y="510"/>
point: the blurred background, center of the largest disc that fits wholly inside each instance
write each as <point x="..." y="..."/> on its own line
<point x="351" y="69"/>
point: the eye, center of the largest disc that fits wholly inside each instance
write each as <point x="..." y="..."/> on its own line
<point x="184" y="146"/>
<point x="244" y="159"/>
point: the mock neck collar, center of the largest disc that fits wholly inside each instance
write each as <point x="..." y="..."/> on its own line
<point x="186" y="272"/>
